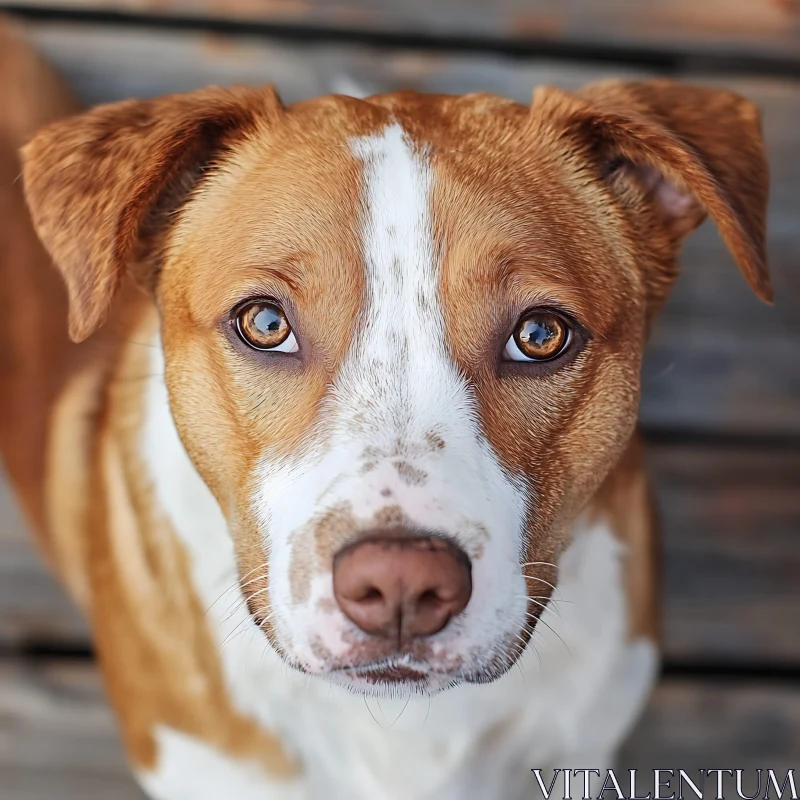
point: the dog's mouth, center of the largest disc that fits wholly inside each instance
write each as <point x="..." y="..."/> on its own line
<point x="368" y="667"/>
<point x="403" y="672"/>
<point x="393" y="677"/>
<point x="390" y="671"/>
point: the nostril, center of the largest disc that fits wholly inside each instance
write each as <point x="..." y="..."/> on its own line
<point x="372" y="595"/>
<point x="429" y="599"/>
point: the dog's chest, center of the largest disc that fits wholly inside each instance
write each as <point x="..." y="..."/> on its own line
<point x="572" y="695"/>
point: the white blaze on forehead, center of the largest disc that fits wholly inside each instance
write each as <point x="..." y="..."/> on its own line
<point x="399" y="429"/>
<point x="400" y="369"/>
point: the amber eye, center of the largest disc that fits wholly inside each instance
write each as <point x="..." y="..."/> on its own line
<point x="264" y="326"/>
<point x="539" y="336"/>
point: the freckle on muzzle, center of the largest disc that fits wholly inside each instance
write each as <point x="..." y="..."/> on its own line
<point x="402" y="588"/>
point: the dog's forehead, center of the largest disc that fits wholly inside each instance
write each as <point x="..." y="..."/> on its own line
<point x="478" y="141"/>
<point x="436" y="119"/>
<point x="296" y="196"/>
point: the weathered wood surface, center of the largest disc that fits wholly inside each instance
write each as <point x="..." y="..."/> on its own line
<point x="693" y="724"/>
<point x="733" y="27"/>
<point x="58" y="738"/>
<point x="719" y="360"/>
<point x="731" y="519"/>
<point x="731" y="553"/>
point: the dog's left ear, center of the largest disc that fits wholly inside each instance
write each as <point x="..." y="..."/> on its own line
<point x="691" y="150"/>
<point x="102" y="186"/>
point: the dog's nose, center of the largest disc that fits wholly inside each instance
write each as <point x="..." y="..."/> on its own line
<point x="402" y="588"/>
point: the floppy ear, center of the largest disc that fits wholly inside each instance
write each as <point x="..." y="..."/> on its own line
<point x="100" y="186"/>
<point x="692" y="151"/>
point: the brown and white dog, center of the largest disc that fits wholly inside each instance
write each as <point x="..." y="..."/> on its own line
<point x="365" y="441"/>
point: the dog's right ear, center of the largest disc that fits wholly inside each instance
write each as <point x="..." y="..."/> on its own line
<point x="100" y="186"/>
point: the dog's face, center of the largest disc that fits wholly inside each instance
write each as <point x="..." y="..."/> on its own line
<point x="402" y="336"/>
<point x="385" y="330"/>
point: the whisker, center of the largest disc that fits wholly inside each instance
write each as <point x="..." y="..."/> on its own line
<point x="535" y="618"/>
<point x="374" y="718"/>
<point x="260" y="591"/>
<point x="234" y="603"/>
<point x="534" y="650"/>
<point x="402" y="710"/>
<point x="547" y="625"/>
<point x="232" y="635"/>
<point x="266" y="619"/>
<point x="538" y="617"/>
<point x="236" y="633"/>
<point x="247" y="664"/>
<point x="542" y="606"/>
<point x="253" y="580"/>
<point x="516" y="661"/>
<point x="237" y="604"/>
<point x="541" y="580"/>
<point x="240" y="601"/>
<point x="236" y="583"/>
<point x="250" y="572"/>
<point x="226" y="591"/>
<point x="535" y="632"/>
<point x="550" y="599"/>
<point x="537" y="601"/>
<point x="555" y="633"/>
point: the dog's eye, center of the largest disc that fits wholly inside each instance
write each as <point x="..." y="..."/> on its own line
<point x="264" y="326"/>
<point x="539" y="336"/>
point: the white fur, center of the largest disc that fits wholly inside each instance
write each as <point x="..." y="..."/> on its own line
<point x="397" y="388"/>
<point x="192" y="770"/>
<point x="469" y="743"/>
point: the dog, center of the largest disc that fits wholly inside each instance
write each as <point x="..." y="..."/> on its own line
<point x="340" y="455"/>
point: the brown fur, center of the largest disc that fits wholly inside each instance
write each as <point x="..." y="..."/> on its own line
<point x="160" y="663"/>
<point x="209" y="198"/>
<point x="37" y="355"/>
<point x="625" y="502"/>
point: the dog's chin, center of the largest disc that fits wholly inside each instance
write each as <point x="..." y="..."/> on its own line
<point x="409" y="674"/>
<point x="403" y="677"/>
<point x="393" y="678"/>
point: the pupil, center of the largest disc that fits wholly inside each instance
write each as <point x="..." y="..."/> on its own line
<point x="535" y="333"/>
<point x="268" y="321"/>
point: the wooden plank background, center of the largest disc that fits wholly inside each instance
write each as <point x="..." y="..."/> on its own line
<point x="735" y="27"/>
<point x="721" y="401"/>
